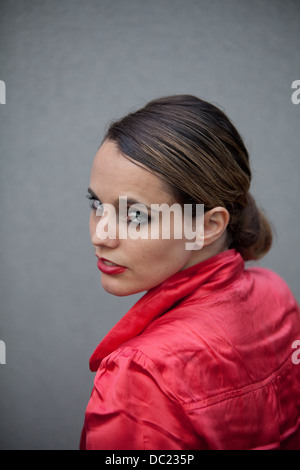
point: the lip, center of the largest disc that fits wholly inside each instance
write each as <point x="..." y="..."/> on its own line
<point x="104" y="268"/>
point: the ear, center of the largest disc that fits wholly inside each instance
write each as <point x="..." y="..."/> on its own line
<point x="215" y="224"/>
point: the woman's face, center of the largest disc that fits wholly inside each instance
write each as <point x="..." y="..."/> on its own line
<point x="146" y="262"/>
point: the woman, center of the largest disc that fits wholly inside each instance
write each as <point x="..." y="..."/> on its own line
<point x="204" y="359"/>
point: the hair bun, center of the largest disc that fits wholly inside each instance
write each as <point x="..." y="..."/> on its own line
<point x="252" y="233"/>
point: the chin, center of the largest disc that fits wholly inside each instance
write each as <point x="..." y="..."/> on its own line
<point x="113" y="287"/>
<point x="120" y="288"/>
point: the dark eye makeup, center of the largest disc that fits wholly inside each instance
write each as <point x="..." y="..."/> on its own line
<point x="136" y="216"/>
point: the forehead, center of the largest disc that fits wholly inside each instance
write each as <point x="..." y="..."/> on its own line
<point x="113" y="175"/>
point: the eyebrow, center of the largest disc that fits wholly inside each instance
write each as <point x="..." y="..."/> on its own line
<point x="130" y="201"/>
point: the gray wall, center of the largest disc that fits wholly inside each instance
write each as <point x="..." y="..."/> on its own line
<point x="70" y="67"/>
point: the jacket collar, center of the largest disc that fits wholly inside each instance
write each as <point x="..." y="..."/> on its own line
<point x="212" y="274"/>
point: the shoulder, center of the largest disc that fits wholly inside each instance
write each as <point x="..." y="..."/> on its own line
<point x="132" y="406"/>
<point x="130" y="374"/>
<point x="265" y="274"/>
<point x="189" y="348"/>
<point x="271" y="284"/>
<point x="175" y="354"/>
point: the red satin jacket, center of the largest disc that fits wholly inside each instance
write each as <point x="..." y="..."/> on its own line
<point x="204" y="360"/>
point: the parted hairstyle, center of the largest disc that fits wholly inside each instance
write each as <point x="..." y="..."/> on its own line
<point x="193" y="147"/>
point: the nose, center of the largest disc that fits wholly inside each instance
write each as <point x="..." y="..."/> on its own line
<point x="102" y="232"/>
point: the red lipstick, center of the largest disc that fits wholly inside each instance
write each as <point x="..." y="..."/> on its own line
<point x="109" y="269"/>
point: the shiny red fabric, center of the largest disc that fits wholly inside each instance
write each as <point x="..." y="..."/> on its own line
<point x="202" y="361"/>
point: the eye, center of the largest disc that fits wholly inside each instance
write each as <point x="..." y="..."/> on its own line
<point x="137" y="217"/>
<point x="95" y="205"/>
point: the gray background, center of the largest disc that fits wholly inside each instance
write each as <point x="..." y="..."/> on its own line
<point x="70" y="67"/>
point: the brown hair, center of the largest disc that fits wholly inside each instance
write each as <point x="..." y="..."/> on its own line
<point x="200" y="156"/>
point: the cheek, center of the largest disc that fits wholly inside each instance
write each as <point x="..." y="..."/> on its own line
<point x="150" y="262"/>
<point x="163" y="255"/>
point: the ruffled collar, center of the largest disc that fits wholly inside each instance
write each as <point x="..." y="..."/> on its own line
<point x="209" y="275"/>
